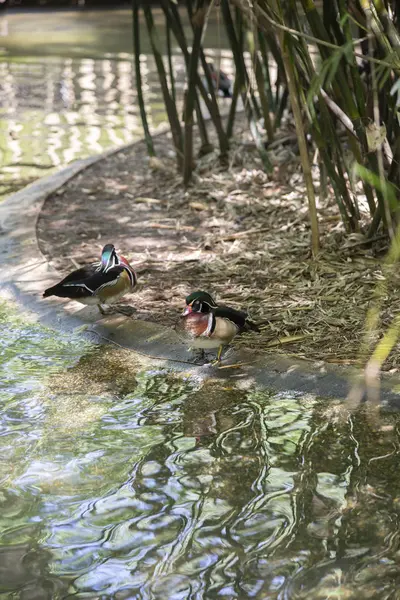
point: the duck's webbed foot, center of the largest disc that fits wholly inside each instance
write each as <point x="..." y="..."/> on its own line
<point x="215" y="363"/>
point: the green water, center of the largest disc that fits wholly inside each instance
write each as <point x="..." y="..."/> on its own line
<point x="119" y="483"/>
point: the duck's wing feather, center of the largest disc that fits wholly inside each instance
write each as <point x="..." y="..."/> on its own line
<point x="83" y="273"/>
<point x="238" y="317"/>
<point x="84" y="282"/>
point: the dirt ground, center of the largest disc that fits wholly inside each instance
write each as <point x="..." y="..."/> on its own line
<point x="237" y="233"/>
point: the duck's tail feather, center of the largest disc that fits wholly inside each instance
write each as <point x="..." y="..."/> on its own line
<point x="50" y="291"/>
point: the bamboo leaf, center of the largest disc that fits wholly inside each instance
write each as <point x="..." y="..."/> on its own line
<point x="387" y="189"/>
<point x="375" y="136"/>
<point x="289" y="339"/>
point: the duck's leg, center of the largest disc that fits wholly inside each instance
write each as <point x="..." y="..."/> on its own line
<point x="217" y="361"/>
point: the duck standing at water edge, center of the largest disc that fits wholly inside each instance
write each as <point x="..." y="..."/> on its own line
<point x="103" y="282"/>
<point x="205" y="324"/>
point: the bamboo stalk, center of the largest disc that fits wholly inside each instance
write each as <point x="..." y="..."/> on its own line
<point x="211" y="92"/>
<point x="169" y="103"/>
<point x="281" y="107"/>
<point x="170" y="66"/>
<point x="241" y="73"/>
<point x="261" y="89"/>
<point x="388" y="27"/>
<point x="326" y="138"/>
<point x="232" y="110"/>
<point x="305" y="160"/>
<point x="375" y="25"/>
<point x="236" y="85"/>
<point x="237" y="50"/>
<point x="330" y="21"/>
<point x="323" y="180"/>
<point x="325" y="142"/>
<point x="223" y="138"/>
<point x="379" y="153"/>
<point x="265" y="62"/>
<point x="358" y="87"/>
<point x="136" y="50"/>
<point x="343" y="92"/>
<point x="205" y="144"/>
<point x="198" y="21"/>
<point x="171" y="11"/>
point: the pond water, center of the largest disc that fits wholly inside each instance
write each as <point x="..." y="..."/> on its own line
<point x="116" y="482"/>
<point x="67" y="88"/>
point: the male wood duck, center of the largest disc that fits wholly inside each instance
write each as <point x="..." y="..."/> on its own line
<point x="103" y="282"/>
<point x="209" y="325"/>
<point x="221" y="81"/>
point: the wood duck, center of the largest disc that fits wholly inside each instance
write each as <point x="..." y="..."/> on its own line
<point x="103" y="282"/>
<point x="208" y="325"/>
<point x="221" y="81"/>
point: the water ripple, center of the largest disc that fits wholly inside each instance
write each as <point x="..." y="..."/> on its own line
<point x="166" y="493"/>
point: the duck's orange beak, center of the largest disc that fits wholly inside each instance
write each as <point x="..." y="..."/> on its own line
<point x="187" y="311"/>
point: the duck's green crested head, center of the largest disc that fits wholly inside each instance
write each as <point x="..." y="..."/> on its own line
<point x="109" y="257"/>
<point x="199" y="301"/>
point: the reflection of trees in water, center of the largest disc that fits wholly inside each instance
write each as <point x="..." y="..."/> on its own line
<point x="24" y="564"/>
<point x="213" y="472"/>
<point x="26" y="569"/>
<point x="215" y="490"/>
<point x="341" y="532"/>
<point x="351" y="529"/>
<point x="195" y="486"/>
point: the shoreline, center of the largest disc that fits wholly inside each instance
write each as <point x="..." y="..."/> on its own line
<point x="26" y="278"/>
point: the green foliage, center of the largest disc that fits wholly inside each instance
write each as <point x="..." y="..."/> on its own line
<point x="327" y="73"/>
<point x="387" y="189"/>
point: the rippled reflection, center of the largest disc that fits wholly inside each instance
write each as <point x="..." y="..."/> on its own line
<point x="119" y="483"/>
<point x="56" y="106"/>
<point x="56" y="111"/>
